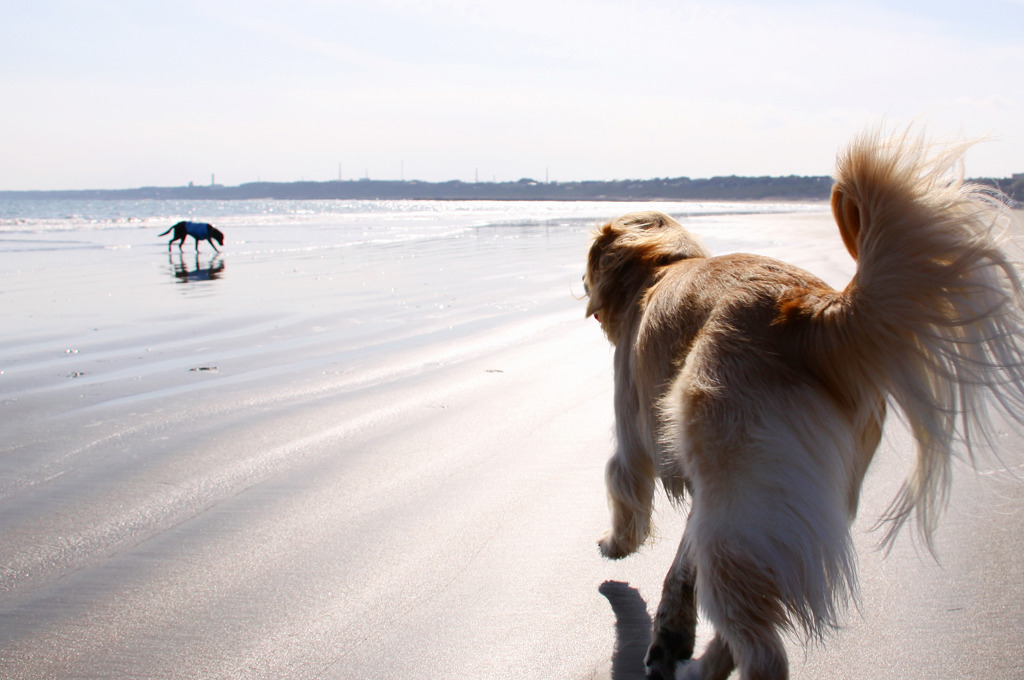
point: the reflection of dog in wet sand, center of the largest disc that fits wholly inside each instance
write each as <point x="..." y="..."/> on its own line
<point x="200" y="231"/>
<point x="757" y="391"/>
<point x="183" y="274"/>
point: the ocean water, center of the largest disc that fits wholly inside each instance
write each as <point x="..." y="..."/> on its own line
<point x="50" y="240"/>
<point x="337" y="221"/>
<point x="73" y="271"/>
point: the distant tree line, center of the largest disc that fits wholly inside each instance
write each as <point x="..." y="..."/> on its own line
<point x="731" y="188"/>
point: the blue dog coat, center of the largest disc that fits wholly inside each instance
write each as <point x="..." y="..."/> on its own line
<point x="199" y="230"/>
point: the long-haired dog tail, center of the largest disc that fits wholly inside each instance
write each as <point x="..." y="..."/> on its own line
<point x="933" y="315"/>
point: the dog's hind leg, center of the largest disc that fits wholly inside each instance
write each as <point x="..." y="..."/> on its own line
<point x="631" y="497"/>
<point x="675" y="624"/>
<point x="675" y="627"/>
<point x="743" y="603"/>
<point x="763" y="658"/>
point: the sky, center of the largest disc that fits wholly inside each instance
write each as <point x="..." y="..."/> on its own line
<point x="100" y="94"/>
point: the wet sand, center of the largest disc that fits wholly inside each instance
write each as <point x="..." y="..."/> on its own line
<point x="386" y="462"/>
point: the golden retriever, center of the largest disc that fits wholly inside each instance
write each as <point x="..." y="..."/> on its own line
<point x="755" y="390"/>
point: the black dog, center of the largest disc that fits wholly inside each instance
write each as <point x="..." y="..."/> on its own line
<point x="200" y="231"/>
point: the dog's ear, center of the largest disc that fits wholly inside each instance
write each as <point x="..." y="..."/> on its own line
<point x="624" y="256"/>
<point x="594" y="281"/>
<point x="847" y="216"/>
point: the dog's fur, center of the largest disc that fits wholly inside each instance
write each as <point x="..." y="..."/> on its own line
<point x="181" y="232"/>
<point x="757" y="391"/>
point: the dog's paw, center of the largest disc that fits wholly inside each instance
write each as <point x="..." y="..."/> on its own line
<point x="614" y="548"/>
<point x="667" y="657"/>
<point x="674" y="670"/>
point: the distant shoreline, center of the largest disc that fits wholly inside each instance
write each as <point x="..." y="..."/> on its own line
<point x="717" y="188"/>
<point x="731" y="188"/>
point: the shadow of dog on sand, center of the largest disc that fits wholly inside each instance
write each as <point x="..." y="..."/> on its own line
<point x="632" y="630"/>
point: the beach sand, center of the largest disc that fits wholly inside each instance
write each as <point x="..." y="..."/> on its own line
<point x="384" y="462"/>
